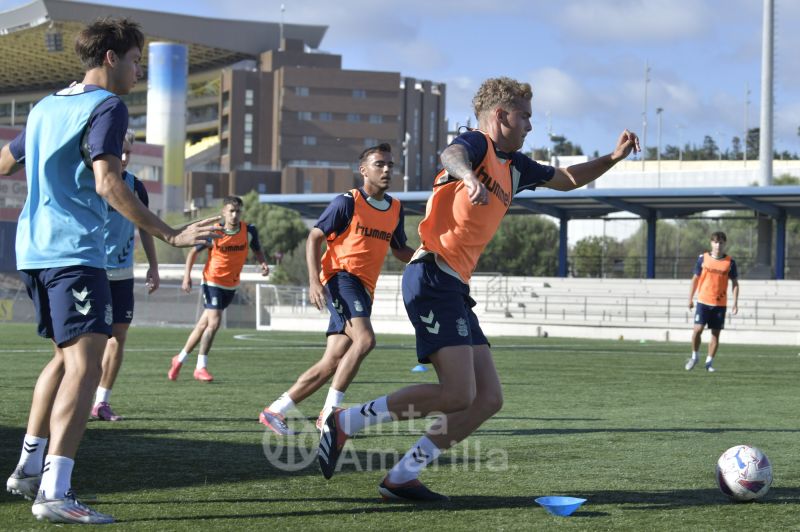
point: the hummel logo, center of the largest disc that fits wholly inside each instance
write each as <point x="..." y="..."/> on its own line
<point x="419" y="455"/>
<point x="366" y="409"/>
<point x="30" y="447"/>
<point x="83" y="309"/>
<point x="429" y="319"/>
<point x="80" y="296"/>
<point x="338" y="306"/>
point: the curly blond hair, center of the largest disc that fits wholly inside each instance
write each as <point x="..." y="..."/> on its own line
<point x="503" y="92"/>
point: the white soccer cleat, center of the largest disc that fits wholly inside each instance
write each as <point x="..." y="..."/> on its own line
<point x="690" y="363"/>
<point x="67" y="510"/>
<point x="710" y="368"/>
<point x="21" y="484"/>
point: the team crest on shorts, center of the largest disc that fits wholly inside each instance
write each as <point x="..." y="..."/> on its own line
<point x="358" y="306"/>
<point x="214" y="301"/>
<point x="461" y="327"/>
<point x="129" y="314"/>
<point x="109" y="315"/>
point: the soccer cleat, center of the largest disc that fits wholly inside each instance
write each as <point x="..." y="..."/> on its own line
<point x="202" y="374"/>
<point x="275" y="422"/>
<point x="690" y="363"/>
<point x="21" y="484"/>
<point x="411" y="491"/>
<point x="173" y="372"/>
<point x="67" y="510"/>
<point x="103" y="412"/>
<point x="331" y="442"/>
<point x="323" y="414"/>
<point x="710" y="368"/>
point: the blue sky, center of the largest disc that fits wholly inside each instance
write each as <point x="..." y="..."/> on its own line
<point x="584" y="58"/>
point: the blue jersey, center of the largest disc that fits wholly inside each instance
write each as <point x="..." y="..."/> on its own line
<point x="119" y="231"/>
<point x="61" y="223"/>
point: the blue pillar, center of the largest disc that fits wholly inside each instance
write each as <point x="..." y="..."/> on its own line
<point x="651" y="246"/>
<point x="563" y="246"/>
<point x="780" y="246"/>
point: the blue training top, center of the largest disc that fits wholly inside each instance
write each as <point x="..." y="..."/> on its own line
<point x="119" y="231"/>
<point x="61" y="223"/>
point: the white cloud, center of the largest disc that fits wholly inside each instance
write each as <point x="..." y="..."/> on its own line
<point x="557" y="92"/>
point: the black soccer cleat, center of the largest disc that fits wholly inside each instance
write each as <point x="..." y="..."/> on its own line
<point x="411" y="491"/>
<point x="331" y="441"/>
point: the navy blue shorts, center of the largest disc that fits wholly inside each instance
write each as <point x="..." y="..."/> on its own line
<point x="347" y="299"/>
<point x="122" y="300"/>
<point x="712" y="317"/>
<point x="217" y="298"/>
<point x="69" y="301"/>
<point x="440" y="309"/>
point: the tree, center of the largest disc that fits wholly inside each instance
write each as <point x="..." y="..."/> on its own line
<point x="710" y="149"/>
<point x="594" y="256"/>
<point x="736" y="145"/>
<point x="279" y="229"/>
<point x="753" y="142"/>
<point x="523" y="245"/>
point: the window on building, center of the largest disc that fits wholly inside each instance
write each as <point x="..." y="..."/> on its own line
<point x="376" y="119"/>
<point x="368" y="143"/>
<point x="262" y="188"/>
<point x="304" y="115"/>
<point x="359" y="94"/>
<point x="309" y="140"/>
<point x="432" y="127"/>
<point x="248" y="123"/>
<point x="308" y="185"/>
<point x="247" y="165"/>
<point x="248" y="143"/>
<point x="249" y="97"/>
<point x="325" y="117"/>
<point x="353" y="117"/>
<point x="301" y="91"/>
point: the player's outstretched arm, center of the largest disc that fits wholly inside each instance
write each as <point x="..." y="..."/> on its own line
<point x="109" y="185"/>
<point x="316" y="293"/>
<point x="578" y="175"/>
<point x="8" y="165"/>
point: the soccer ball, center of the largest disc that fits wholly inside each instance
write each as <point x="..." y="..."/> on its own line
<point x="744" y="473"/>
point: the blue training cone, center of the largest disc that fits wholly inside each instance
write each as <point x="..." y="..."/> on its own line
<point x="419" y="368"/>
<point x="561" y="506"/>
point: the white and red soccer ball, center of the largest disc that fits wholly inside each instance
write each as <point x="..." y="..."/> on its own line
<point x="744" y="473"/>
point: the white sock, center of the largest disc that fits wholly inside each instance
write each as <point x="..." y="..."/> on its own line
<point x="182" y="356"/>
<point x="202" y="361"/>
<point x="357" y="418"/>
<point x="709" y="360"/>
<point x="282" y="404"/>
<point x="694" y="355"/>
<point x="32" y="454"/>
<point x="334" y="399"/>
<point x="414" y="461"/>
<point x="56" y="476"/>
<point x="102" y="395"/>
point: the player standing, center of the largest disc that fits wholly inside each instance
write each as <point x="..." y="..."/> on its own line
<point x="226" y="258"/>
<point x="483" y="170"/>
<point x="710" y="281"/>
<point x="359" y="226"/>
<point x="72" y="149"/>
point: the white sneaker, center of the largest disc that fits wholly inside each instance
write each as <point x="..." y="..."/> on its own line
<point x="690" y="363"/>
<point x="710" y="368"/>
<point x="67" y="510"/>
<point x="21" y="484"/>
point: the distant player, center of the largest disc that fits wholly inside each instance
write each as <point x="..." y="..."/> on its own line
<point x="360" y="226"/>
<point x="483" y="170"/>
<point x="226" y="258"/>
<point x="119" y="235"/>
<point x="72" y="150"/>
<point x="710" y="280"/>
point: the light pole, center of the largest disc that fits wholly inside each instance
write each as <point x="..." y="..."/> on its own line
<point x="644" y="115"/>
<point x="659" y="110"/>
<point x="406" y="143"/>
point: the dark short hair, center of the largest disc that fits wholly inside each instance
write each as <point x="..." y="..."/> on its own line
<point x="117" y="34"/>
<point x="718" y="236"/>
<point x="382" y="147"/>
<point x="232" y="200"/>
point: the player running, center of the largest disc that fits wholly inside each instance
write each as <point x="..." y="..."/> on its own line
<point x="483" y="169"/>
<point x="72" y="149"/>
<point x="226" y="258"/>
<point x="359" y="226"/>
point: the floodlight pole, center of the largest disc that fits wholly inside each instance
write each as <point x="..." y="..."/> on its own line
<point x="406" y="144"/>
<point x="659" y="110"/>
<point x="644" y="115"/>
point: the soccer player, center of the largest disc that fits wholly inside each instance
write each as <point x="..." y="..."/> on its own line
<point x="119" y="236"/>
<point x="710" y="282"/>
<point x="226" y="258"/>
<point x="359" y="227"/>
<point x="72" y="149"/>
<point x="483" y="169"/>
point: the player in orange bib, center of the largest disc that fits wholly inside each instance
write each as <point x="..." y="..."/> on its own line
<point x="483" y="170"/>
<point x="359" y="226"/>
<point x="226" y="258"/>
<point x="710" y="280"/>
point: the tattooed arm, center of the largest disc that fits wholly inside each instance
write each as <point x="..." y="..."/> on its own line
<point x="456" y="161"/>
